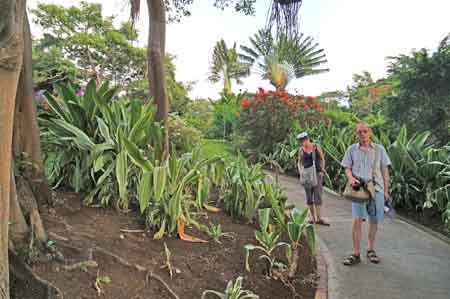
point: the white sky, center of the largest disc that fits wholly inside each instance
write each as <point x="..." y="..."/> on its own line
<point x="357" y="35"/>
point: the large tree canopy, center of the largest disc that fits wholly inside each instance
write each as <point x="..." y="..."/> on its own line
<point x="421" y="95"/>
<point x="365" y="94"/>
<point x="90" y="41"/>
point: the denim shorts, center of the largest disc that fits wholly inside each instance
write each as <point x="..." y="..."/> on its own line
<point x="373" y="210"/>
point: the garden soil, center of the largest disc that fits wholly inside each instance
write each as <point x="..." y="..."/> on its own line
<point x="84" y="233"/>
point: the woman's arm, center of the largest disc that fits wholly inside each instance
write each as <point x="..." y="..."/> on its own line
<point x="299" y="160"/>
<point x="322" y="158"/>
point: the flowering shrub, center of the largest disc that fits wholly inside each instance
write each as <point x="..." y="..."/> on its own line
<point x="268" y="117"/>
<point x="41" y="102"/>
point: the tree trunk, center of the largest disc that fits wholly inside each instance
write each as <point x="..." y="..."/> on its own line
<point x="26" y="130"/>
<point x="11" y="53"/>
<point x="227" y="85"/>
<point x="156" y="67"/>
<point x="18" y="228"/>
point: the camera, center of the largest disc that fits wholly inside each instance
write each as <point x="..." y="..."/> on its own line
<point x="357" y="187"/>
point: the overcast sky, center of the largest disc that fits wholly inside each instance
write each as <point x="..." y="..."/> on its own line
<point x="357" y="35"/>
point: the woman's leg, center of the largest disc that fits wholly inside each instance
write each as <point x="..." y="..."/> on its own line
<point x="310" y="203"/>
<point x="318" y="190"/>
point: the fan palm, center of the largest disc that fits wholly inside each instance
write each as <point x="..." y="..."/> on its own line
<point x="225" y="65"/>
<point x="282" y="59"/>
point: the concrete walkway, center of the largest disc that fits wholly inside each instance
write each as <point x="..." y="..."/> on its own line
<point x="414" y="264"/>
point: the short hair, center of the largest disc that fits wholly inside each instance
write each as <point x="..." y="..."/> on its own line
<point x="362" y="124"/>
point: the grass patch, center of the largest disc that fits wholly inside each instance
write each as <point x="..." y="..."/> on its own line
<point x="216" y="147"/>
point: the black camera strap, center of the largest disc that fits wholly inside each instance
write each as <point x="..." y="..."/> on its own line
<point x="373" y="179"/>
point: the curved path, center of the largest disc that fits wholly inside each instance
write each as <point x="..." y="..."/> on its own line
<point x="414" y="264"/>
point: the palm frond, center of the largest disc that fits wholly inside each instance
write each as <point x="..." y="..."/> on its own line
<point x="289" y="57"/>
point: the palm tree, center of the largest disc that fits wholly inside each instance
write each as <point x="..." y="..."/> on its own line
<point x="282" y="59"/>
<point x="225" y="65"/>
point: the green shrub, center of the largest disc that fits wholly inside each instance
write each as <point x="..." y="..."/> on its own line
<point x="268" y="118"/>
<point x="183" y="137"/>
<point x="80" y="138"/>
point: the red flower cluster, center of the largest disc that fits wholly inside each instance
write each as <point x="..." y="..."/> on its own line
<point x="44" y="105"/>
<point x="271" y="98"/>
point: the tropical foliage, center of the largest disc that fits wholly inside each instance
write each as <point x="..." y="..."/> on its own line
<point x="90" y="41"/>
<point x="420" y="98"/>
<point x="419" y="170"/>
<point x="225" y="66"/>
<point x="365" y="95"/>
<point x="233" y="291"/>
<point x="80" y="135"/>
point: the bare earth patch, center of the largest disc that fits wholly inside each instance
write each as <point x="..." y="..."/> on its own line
<point x="94" y="247"/>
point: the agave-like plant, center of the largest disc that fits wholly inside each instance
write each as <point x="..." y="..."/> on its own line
<point x="267" y="240"/>
<point x="284" y="58"/>
<point x="233" y="291"/>
<point x="79" y="133"/>
<point x="242" y="184"/>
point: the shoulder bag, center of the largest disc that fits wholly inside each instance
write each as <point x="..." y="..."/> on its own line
<point x="308" y="176"/>
<point x="366" y="190"/>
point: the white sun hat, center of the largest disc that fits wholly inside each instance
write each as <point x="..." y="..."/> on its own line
<point x="302" y="135"/>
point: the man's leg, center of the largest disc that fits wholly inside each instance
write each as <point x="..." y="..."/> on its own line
<point x="376" y="215"/>
<point x="356" y="235"/>
<point x="358" y="214"/>
<point x="373" y="226"/>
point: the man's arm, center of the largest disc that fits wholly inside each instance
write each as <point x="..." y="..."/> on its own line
<point x="350" y="177"/>
<point x="386" y="182"/>
<point x="347" y="162"/>
<point x="385" y="162"/>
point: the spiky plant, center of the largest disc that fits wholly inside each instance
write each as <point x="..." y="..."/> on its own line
<point x="282" y="59"/>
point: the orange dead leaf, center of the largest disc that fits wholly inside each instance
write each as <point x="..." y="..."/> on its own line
<point x="183" y="236"/>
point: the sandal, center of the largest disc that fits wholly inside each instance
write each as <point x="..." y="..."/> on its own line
<point x="352" y="260"/>
<point x="322" y="222"/>
<point x="310" y="221"/>
<point x="372" y="256"/>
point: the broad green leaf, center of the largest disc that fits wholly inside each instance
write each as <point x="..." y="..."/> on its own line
<point x="122" y="175"/>
<point x="159" y="181"/>
<point x="136" y="156"/>
<point x="294" y="231"/>
<point x="144" y="190"/>
<point x="311" y="238"/>
<point x="104" y="130"/>
<point x="80" y="138"/>
<point x="264" y="217"/>
<point x="299" y="217"/>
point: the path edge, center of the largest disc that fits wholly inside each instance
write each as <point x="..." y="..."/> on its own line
<point x="328" y="284"/>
